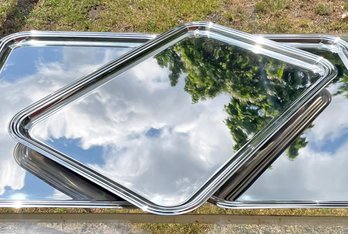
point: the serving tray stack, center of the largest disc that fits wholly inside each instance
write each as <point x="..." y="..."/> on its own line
<point x="165" y="123"/>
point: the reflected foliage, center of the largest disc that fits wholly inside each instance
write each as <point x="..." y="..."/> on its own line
<point x="342" y="73"/>
<point x="293" y="149"/>
<point x="260" y="88"/>
<point x="341" y="80"/>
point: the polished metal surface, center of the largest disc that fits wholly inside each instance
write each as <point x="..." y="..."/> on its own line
<point x="311" y="172"/>
<point x="261" y="160"/>
<point x="64" y="41"/>
<point x="61" y="178"/>
<point x="33" y="65"/>
<point x="168" y="123"/>
<point x="314" y="166"/>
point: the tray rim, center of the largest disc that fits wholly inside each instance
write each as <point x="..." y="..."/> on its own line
<point x="330" y="43"/>
<point x="320" y="41"/>
<point x="14" y="41"/>
<point x="21" y="123"/>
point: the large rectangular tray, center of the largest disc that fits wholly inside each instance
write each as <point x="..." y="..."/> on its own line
<point x="33" y="65"/>
<point x="278" y="187"/>
<point x="329" y="43"/>
<point x="95" y="88"/>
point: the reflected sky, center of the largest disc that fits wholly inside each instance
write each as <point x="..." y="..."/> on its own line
<point x="131" y="128"/>
<point x="165" y="126"/>
<point x="29" y="74"/>
<point x="60" y="177"/>
<point x="319" y="170"/>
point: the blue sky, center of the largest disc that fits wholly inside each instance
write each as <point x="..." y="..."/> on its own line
<point x="20" y="63"/>
<point x="88" y="156"/>
<point x="19" y="86"/>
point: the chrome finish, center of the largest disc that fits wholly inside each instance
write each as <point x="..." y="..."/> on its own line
<point x="316" y="176"/>
<point x="315" y="39"/>
<point x="328" y="43"/>
<point x="33" y="65"/>
<point x="146" y="109"/>
<point x="276" y="145"/>
<point x="60" y="177"/>
<point x="275" y="204"/>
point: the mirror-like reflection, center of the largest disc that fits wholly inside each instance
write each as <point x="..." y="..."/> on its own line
<point x="61" y="178"/>
<point x="29" y="73"/>
<point x="318" y="172"/>
<point x="165" y="126"/>
<point x="260" y="161"/>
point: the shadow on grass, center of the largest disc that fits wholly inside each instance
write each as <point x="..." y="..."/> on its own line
<point x="16" y="16"/>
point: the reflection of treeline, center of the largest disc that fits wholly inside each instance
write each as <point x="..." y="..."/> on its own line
<point x="342" y="79"/>
<point x="342" y="72"/>
<point x="260" y="87"/>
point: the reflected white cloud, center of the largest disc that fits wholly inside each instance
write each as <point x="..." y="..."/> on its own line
<point x="59" y="196"/>
<point x="319" y="171"/>
<point x="330" y="127"/>
<point x="18" y="196"/>
<point x="19" y="91"/>
<point x="11" y="174"/>
<point x="153" y="139"/>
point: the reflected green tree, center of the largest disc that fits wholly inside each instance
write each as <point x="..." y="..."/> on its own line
<point x="341" y="81"/>
<point x="260" y="87"/>
<point x="293" y="149"/>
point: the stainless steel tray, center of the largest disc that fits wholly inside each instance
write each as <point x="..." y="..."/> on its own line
<point x="59" y="177"/>
<point x="291" y="183"/>
<point x="33" y="65"/>
<point x="313" y="41"/>
<point x="261" y="160"/>
<point x="77" y="187"/>
<point x="172" y="182"/>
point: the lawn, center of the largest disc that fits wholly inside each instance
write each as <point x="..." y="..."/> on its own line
<point x="261" y="16"/>
<point x="156" y="16"/>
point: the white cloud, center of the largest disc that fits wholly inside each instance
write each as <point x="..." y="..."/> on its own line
<point x="59" y="196"/>
<point x="319" y="171"/>
<point x="193" y="141"/>
<point x="329" y="126"/>
<point x="18" y="93"/>
<point x="19" y="196"/>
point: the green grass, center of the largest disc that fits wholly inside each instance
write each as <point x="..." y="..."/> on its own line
<point x="109" y="15"/>
<point x="271" y="6"/>
<point x="323" y="8"/>
<point x="155" y="16"/>
<point x="345" y="4"/>
<point x="205" y="209"/>
<point x="5" y="9"/>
